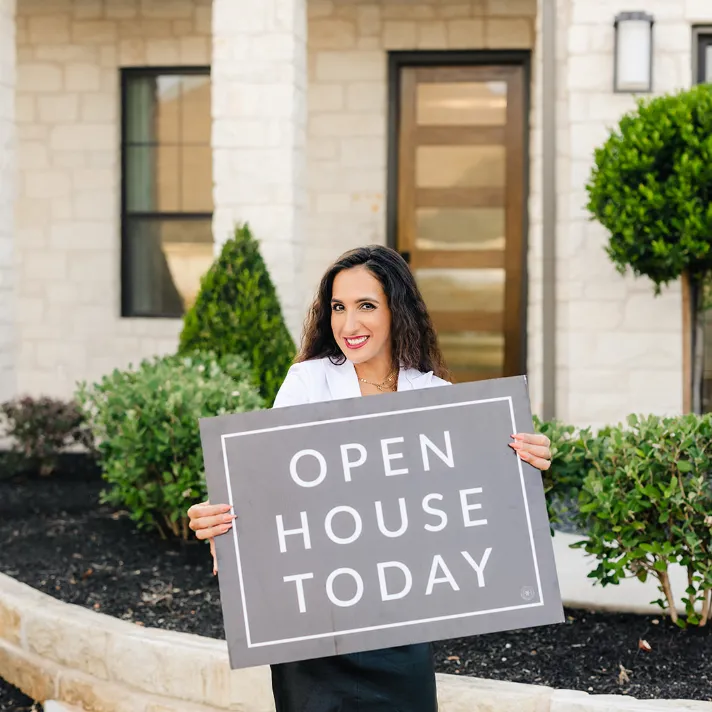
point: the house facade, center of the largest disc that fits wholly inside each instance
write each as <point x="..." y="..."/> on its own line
<point x="135" y="134"/>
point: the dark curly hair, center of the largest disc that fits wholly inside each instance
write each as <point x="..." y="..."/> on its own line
<point x="414" y="343"/>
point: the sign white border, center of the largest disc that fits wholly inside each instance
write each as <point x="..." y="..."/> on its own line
<point x="330" y="634"/>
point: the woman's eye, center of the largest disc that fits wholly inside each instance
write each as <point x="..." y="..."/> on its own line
<point x="367" y="306"/>
<point x="337" y="307"/>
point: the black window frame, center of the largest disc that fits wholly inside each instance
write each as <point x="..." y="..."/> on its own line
<point x="702" y="40"/>
<point x="127" y="74"/>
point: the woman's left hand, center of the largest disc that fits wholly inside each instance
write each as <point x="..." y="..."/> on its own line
<point x="533" y="449"/>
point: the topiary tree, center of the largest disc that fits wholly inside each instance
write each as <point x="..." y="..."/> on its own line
<point x="237" y="312"/>
<point x="651" y="188"/>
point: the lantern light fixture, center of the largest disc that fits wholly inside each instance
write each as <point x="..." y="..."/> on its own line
<point x="633" y="61"/>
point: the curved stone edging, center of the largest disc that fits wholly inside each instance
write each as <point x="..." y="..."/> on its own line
<point x="59" y="651"/>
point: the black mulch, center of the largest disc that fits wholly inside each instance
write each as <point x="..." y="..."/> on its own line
<point x="56" y="537"/>
<point x="12" y="700"/>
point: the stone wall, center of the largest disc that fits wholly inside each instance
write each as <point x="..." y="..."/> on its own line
<point x="68" y="207"/>
<point x="348" y="90"/>
<point x="620" y="347"/>
<point x="95" y="663"/>
<point x="7" y="194"/>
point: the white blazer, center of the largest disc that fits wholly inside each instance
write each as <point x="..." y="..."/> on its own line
<point x="322" y="380"/>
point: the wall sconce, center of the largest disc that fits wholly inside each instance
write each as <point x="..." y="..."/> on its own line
<point x="633" y="62"/>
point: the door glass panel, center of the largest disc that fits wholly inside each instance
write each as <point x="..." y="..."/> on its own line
<point x="462" y="289"/>
<point x="460" y="166"/>
<point x="472" y="354"/>
<point x="460" y="229"/>
<point x="708" y="63"/>
<point x="462" y="104"/>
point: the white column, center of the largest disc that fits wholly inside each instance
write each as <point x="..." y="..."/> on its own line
<point x="8" y="180"/>
<point x="259" y="133"/>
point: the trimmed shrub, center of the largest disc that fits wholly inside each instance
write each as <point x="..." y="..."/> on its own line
<point x="645" y="504"/>
<point x="145" y="422"/>
<point x="40" y="429"/>
<point x="237" y="312"/>
<point x="651" y="187"/>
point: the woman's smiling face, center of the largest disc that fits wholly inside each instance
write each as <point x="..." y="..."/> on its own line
<point x="360" y="316"/>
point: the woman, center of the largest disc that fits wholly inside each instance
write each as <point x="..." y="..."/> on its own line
<point x="368" y="332"/>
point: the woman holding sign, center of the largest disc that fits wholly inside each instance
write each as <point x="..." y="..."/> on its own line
<point x="368" y="332"/>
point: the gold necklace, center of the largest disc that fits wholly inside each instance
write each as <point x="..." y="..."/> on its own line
<point x="387" y="382"/>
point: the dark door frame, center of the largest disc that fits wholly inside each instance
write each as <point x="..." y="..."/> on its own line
<point x="447" y="58"/>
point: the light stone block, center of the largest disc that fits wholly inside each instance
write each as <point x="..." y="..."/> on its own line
<point x="368" y="18"/>
<point x="570" y="701"/>
<point x="52" y="29"/>
<point x="94" y="32"/>
<point x="363" y="152"/>
<point x="455" y="11"/>
<point x="88" y="9"/>
<point x="61" y="109"/>
<point x="399" y="35"/>
<point x="338" y="124"/>
<point x="46" y="184"/>
<point x="326" y="97"/>
<point x="517" y="8"/>
<point x="35" y="677"/>
<point x="46" y="635"/>
<point x="432" y="35"/>
<point x="332" y="33"/>
<point x="466" y="34"/>
<point x="82" y="78"/>
<point x="478" y="695"/>
<point x="56" y="706"/>
<point x="350" y="66"/>
<point x="124" y="10"/>
<point x="509" y="34"/>
<point x="39" y="77"/>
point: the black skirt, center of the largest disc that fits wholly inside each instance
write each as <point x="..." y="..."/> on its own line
<point x="392" y="680"/>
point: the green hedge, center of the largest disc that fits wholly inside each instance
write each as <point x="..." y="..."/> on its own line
<point x="145" y="423"/>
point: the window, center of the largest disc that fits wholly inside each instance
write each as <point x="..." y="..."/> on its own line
<point x="167" y="203"/>
<point x="704" y="56"/>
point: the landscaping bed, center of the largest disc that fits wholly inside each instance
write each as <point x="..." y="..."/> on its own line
<point x="13" y="700"/>
<point x="55" y="537"/>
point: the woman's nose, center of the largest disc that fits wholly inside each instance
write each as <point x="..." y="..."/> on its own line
<point x="352" y="322"/>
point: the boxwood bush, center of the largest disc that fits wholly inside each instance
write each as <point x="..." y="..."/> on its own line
<point x="237" y="312"/>
<point x="145" y="422"/>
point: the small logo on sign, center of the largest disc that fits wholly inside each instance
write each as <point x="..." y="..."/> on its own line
<point x="528" y="593"/>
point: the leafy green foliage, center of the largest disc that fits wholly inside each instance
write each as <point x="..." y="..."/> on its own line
<point x="237" y="312"/>
<point x="145" y="422"/>
<point x="40" y="429"/>
<point x="646" y="503"/>
<point x="651" y="187"/>
<point x="562" y="481"/>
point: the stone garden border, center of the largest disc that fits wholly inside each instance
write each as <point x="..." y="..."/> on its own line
<point x="91" y="662"/>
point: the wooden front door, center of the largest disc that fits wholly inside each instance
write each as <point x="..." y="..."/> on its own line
<point x="460" y="217"/>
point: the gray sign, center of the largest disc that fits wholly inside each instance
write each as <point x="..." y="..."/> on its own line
<point x="375" y="522"/>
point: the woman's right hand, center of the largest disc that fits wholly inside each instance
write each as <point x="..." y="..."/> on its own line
<point x="208" y="521"/>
